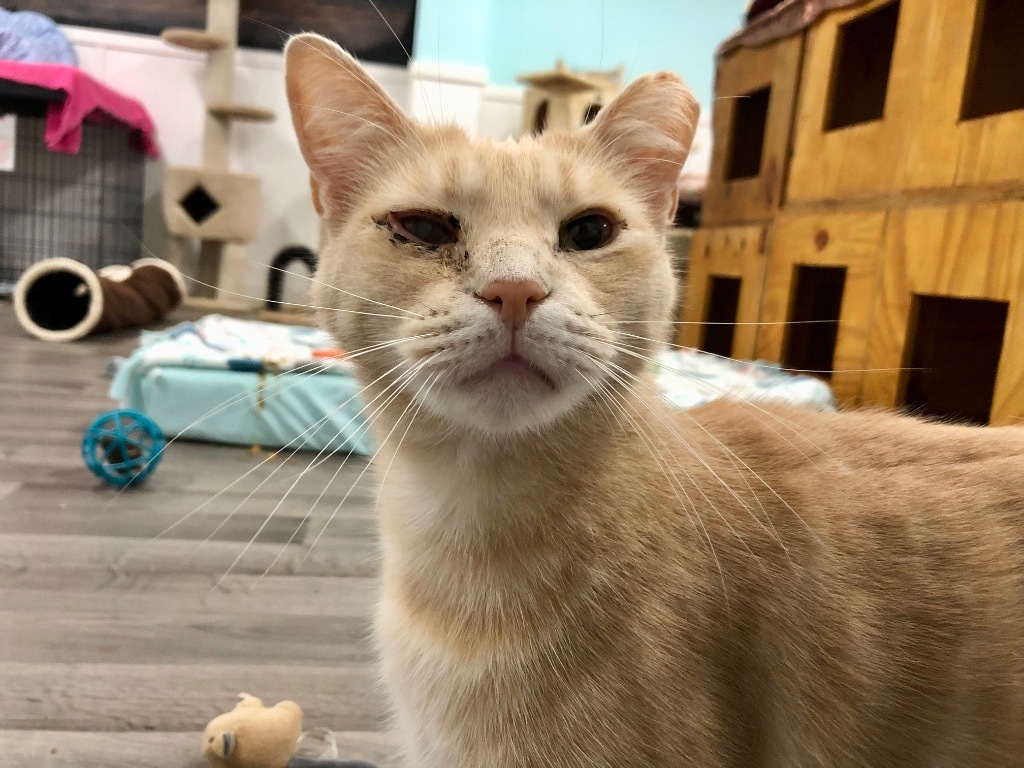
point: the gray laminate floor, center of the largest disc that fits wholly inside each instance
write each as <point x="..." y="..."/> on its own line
<point x="117" y="647"/>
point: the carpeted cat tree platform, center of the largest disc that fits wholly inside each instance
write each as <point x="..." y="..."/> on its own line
<point x="62" y="300"/>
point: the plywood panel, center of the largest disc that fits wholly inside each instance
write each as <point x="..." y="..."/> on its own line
<point x="860" y="160"/>
<point x="754" y="199"/>
<point x="839" y="240"/>
<point x="726" y="252"/>
<point x="921" y="143"/>
<point x="946" y="151"/>
<point x="966" y="251"/>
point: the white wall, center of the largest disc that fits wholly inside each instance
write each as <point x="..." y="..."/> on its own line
<point x="169" y="82"/>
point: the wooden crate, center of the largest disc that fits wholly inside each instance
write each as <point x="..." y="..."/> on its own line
<point x="743" y="72"/>
<point x="850" y="240"/>
<point x="947" y="151"/>
<point x="860" y="160"/>
<point x="737" y="252"/>
<point x="963" y="251"/>
<point x="923" y="141"/>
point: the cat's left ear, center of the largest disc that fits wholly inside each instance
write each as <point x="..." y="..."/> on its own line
<point x="346" y="124"/>
<point x="648" y="129"/>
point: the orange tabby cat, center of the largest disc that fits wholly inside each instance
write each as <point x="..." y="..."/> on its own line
<point x="574" y="573"/>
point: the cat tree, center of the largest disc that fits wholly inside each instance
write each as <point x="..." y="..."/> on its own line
<point x="211" y="203"/>
<point x="866" y="203"/>
<point x="564" y="98"/>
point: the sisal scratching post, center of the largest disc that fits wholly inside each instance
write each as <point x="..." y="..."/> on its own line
<point x="62" y="300"/>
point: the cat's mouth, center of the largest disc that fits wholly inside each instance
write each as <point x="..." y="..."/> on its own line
<point x="511" y="367"/>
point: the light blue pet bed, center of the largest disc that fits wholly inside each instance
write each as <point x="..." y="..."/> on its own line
<point x="249" y="383"/>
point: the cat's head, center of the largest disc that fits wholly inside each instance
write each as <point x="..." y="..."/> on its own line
<point x="518" y="275"/>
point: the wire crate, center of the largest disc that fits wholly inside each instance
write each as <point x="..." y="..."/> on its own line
<point x="86" y="206"/>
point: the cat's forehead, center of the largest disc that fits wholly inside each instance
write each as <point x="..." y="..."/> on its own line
<point x="524" y="176"/>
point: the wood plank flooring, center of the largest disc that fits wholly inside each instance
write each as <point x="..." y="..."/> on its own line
<point x="120" y="635"/>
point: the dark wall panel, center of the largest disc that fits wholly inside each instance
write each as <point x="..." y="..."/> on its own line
<point x="264" y="23"/>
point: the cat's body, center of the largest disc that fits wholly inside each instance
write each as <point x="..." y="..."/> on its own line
<point x="541" y="608"/>
<point x="576" y="574"/>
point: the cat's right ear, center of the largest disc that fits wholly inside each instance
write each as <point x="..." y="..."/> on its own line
<point x="648" y="129"/>
<point x="346" y="124"/>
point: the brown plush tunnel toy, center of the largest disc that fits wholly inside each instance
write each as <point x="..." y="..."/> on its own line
<point x="252" y="735"/>
<point x="62" y="300"/>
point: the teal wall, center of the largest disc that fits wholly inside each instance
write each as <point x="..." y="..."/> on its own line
<point x="510" y="37"/>
<point x="453" y="31"/>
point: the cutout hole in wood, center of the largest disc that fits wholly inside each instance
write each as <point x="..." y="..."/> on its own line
<point x="746" y="136"/>
<point x="994" y="82"/>
<point x="953" y="351"/>
<point x="860" y="69"/>
<point x="815" y="305"/>
<point x="722" y="307"/>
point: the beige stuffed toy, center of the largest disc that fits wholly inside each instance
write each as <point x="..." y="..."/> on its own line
<point x="252" y="735"/>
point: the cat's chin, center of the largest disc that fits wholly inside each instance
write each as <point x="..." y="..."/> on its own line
<point x="507" y="399"/>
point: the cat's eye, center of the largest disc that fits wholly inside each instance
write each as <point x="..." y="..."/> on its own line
<point x="424" y="227"/>
<point x="587" y="232"/>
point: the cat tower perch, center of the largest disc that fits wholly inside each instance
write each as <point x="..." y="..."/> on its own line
<point x="212" y="203"/>
<point x="866" y="203"/>
<point x="564" y="98"/>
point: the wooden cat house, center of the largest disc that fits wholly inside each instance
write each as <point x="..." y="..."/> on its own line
<point x="566" y="98"/>
<point x="864" y="215"/>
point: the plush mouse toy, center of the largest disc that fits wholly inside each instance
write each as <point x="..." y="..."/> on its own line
<point x="252" y="735"/>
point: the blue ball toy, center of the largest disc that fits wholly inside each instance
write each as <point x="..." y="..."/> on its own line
<point x="122" y="447"/>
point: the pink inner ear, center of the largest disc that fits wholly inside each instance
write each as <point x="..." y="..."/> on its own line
<point x="649" y="128"/>
<point x="344" y="121"/>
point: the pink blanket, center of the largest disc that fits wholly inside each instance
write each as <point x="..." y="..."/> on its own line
<point x="86" y="99"/>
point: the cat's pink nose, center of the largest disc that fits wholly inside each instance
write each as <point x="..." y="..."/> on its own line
<point x="513" y="299"/>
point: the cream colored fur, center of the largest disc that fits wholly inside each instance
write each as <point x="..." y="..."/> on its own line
<point x="575" y="574"/>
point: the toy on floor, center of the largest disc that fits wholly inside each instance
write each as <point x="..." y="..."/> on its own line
<point x="256" y="736"/>
<point x="61" y="299"/>
<point x="122" y="447"/>
<point x="252" y="735"/>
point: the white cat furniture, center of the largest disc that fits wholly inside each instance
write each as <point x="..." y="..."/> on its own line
<point x="211" y="203"/>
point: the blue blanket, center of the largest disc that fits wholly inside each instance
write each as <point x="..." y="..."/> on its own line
<point x="32" y="37"/>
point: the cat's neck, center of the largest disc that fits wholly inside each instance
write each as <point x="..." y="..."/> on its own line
<point x="455" y="483"/>
<point x="526" y="516"/>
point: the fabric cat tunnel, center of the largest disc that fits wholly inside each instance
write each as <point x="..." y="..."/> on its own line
<point x="61" y="299"/>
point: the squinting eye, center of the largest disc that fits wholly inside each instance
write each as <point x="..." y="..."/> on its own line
<point x="424" y="227"/>
<point x="587" y="232"/>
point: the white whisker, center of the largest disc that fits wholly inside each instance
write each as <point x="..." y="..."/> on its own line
<point x="249" y="544"/>
<point x="362" y="430"/>
<point x="359" y="353"/>
<point x="197" y="281"/>
<point x="724" y="393"/>
<point x="676" y="486"/>
<point x="336" y="288"/>
<point x="729" y="454"/>
<point x="341" y="503"/>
